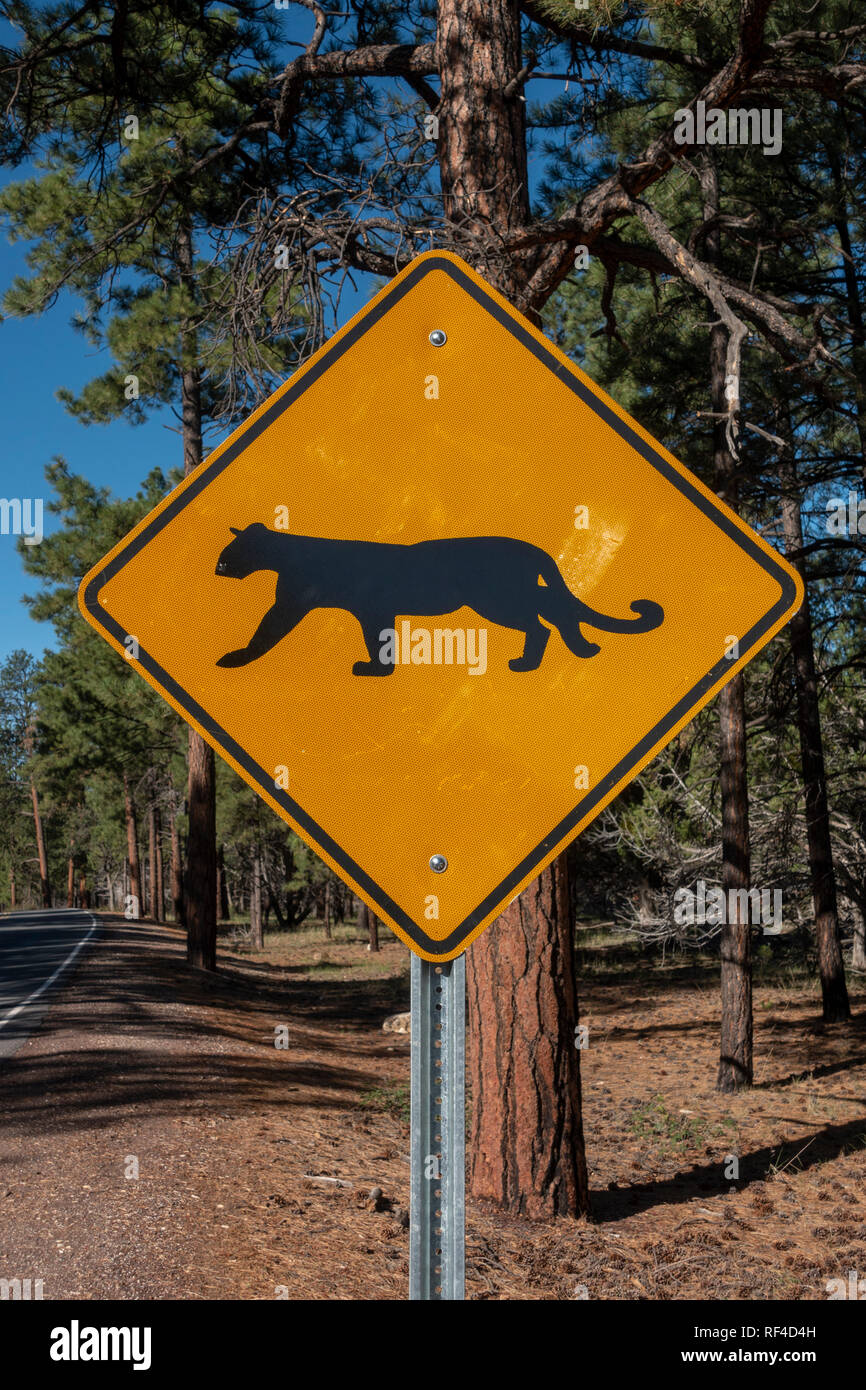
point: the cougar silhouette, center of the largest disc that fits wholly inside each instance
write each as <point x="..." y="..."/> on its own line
<point x="508" y="582"/>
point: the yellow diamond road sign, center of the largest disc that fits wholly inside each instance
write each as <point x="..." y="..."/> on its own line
<point x="438" y="601"/>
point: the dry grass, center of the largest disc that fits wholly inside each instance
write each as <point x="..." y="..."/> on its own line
<point x="141" y="1055"/>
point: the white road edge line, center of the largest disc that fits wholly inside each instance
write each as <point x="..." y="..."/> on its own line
<point x="50" y="981"/>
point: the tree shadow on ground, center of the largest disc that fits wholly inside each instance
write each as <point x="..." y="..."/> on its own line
<point x="822" y="1146"/>
<point x="163" y="1029"/>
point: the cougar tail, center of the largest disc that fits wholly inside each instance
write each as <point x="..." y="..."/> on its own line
<point x="649" y="615"/>
<point x="560" y="606"/>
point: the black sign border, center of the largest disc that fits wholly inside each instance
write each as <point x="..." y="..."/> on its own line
<point x="223" y="742"/>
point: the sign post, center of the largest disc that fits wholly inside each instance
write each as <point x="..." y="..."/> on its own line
<point x="438" y="1130"/>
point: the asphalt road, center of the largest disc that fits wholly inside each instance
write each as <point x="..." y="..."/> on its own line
<point x="36" y="949"/>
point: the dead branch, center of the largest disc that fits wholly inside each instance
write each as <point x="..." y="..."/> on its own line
<point x="704" y="280"/>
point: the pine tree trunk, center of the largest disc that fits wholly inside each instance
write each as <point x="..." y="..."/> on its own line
<point x="364" y="920"/>
<point x="40" y="847"/>
<point x="855" y="307"/>
<point x="151" y="855"/>
<point x="256" y="929"/>
<point x="374" y="931"/>
<point x="481" y="145"/>
<point x="176" y="869"/>
<point x="222" y="886"/>
<point x="132" y="847"/>
<point x="326" y="910"/>
<point x="70" y="881"/>
<point x="200" y="887"/>
<point x="159" y="914"/>
<point x="735" y="1043"/>
<point x="858" y="951"/>
<point x="528" y="1150"/>
<point x="526" y="1147"/>
<point x="735" y="1056"/>
<point x="830" y="964"/>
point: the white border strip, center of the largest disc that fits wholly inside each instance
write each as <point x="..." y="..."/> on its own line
<point x="50" y="981"/>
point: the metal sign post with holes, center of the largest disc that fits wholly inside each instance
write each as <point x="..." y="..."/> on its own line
<point x="436" y="1211"/>
<point x="438" y="601"/>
